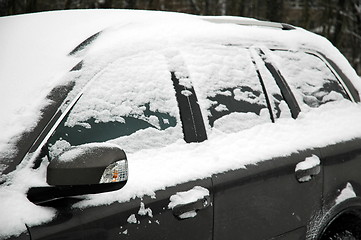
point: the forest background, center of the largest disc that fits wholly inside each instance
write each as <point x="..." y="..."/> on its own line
<point x="337" y="20"/>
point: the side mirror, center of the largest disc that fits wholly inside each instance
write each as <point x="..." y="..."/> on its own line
<point x="85" y="169"/>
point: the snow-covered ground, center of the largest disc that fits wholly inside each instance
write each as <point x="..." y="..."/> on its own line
<point x="35" y="59"/>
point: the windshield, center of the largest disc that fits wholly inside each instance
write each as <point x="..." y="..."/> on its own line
<point x="131" y="103"/>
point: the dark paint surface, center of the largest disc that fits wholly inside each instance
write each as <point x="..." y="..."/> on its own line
<point x="342" y="164"/>
<point x="111" y="221"/>
<point x="265" y="200"/>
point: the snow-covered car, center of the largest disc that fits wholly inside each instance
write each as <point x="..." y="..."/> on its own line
<point x="123" y="124"/>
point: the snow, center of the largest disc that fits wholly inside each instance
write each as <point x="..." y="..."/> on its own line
<point x="126" y="79"/>
<point x="145" y="211"/>
<point x="240" y="121"/>
<point x="181" y="198"/>
<point x="222" y="152"/>
<point x="132" y="219"/>
<point x="346" y="193"/>
<point x="58" y="147"/>
<point x="309" y="163"/>
<point x="30" y="213"/>
<point x="44" y="43"/>
<point x="33" y="60"/>
<point x="190" y="214"/>
<point x="16" y="209"/>
<point x="319" y="87"/>
<point x="148" y="139"/>
<point x="190" y="196"/>
<point x="29" y="69"/>
<point x="73" y="153"/>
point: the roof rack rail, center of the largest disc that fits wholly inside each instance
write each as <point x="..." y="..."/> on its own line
<point x="247" y="22"/>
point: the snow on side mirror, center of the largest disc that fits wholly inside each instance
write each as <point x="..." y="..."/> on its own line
<point x="85" y="169"/>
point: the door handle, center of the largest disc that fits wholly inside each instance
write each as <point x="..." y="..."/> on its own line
<point x="183" y="211"/>
<point x="307" y="169"/>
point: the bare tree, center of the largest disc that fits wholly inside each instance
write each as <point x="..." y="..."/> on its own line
<point x="222" y="7"/>
<point x="195" y="7"/>
<point x="130" y="4"/>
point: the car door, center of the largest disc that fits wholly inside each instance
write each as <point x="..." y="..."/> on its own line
<point x="340" y="158"/>
<point x="264" y="198"/>
<point x="141" y="110"/>
<point x="341" y="162"/>
<point x="149" y="217"/>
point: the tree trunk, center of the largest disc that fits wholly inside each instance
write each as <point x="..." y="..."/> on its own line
<point x="337" y="36"/>
<point x="195" y="7"/>
<point x="274" y="10"/>
<point x="306" y="14"/>
<point x="222" y="7"/>
<point x="130" y="4"/>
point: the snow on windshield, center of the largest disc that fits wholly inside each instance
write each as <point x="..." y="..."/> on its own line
<point x="170" y="36"/>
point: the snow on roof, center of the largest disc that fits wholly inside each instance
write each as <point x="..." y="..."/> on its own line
<point x="35" y="56"/>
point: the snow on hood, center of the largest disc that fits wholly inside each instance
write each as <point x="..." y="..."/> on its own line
<point x="33" y="61"/>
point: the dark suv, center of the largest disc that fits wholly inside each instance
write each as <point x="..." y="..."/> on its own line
<point x="173" y="126"/>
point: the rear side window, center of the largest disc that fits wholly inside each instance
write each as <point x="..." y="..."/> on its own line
<point x="228" y="87"/>
<point x="312" y="82"/>
<point x="131" y="103"/>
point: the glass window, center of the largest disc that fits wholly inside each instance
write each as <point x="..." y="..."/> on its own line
<point x="130" y="103"/>
<point x="312" y="82"/>
<point x="228" y="88"/>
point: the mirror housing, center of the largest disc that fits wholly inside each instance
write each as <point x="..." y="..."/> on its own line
<point x="85" y="169"/>
<point x="84" y="164"/>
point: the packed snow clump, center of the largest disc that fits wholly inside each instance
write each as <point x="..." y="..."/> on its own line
<point x="346" y="193"/>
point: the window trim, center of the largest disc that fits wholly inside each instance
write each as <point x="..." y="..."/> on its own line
<point x="344" y="80"/>
<point x="190" y="113"/>
<point x="282" y="84"/>
<point x="265" y="92"/>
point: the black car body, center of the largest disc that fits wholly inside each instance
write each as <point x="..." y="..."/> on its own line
<point x="231" y="128"/>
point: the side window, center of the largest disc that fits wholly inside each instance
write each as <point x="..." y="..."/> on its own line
<point x="312" y="82"/>
<point x="131" y="103"/>
<point x="228" y="87"/>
